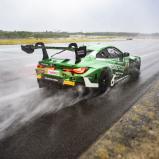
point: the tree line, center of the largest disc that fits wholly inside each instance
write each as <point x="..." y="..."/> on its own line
<point x="27" y="34"/>
<point x="50" y="34"/>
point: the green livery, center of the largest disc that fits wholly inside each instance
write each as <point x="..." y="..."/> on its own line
<point x="88" y="67"/>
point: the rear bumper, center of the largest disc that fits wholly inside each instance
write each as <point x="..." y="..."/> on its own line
<point x="88" y="83"/>
<point x="58" y="77"/>
<point x="67" y="83"/>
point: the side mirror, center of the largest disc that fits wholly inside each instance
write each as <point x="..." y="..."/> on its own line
<point x="126" y="54"/>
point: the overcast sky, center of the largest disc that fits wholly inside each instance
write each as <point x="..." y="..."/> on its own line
<point x="80" y="15"/>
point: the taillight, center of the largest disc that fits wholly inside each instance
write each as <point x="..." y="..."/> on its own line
<point x="80" y="70"/>
<point x="76" y="70"/>
<point x="40" y="66"/>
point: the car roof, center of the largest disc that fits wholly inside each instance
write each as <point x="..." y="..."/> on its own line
<point x="97" y="47"/>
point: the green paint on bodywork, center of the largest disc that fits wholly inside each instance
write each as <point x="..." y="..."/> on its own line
<point x="117" y="66"/>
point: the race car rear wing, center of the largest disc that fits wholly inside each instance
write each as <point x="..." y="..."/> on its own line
<point x="80" y="52"/>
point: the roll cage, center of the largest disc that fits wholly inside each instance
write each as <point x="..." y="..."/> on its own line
<point x="109" y="52"/>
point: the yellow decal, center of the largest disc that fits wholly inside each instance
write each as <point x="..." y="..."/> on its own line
<point x="71" y="83"/>
<point x="39" y="76"/>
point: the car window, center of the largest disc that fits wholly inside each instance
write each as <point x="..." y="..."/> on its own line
<point x="114" y="53"/>
<point x="103" y="54"/>
<point x="64" y="54"/>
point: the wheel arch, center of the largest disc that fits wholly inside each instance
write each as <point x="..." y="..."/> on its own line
<point x="95" y="74"/>
<point x="135" y="60"/>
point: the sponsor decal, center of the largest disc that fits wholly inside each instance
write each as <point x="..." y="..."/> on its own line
<point x="51" y="79"/>
<point x="52" y="72"/>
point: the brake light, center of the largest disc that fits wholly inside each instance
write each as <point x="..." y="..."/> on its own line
<point x="40" y="66"/>
<point x="76" y="70"/>
<point x="80" y="70"/>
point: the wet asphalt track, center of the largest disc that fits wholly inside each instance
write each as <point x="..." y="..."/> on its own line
<point x="41" y="124"/>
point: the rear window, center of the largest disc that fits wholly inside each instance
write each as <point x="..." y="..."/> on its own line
<point x="63" y="55"/>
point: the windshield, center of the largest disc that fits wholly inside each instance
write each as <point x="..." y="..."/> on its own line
<point x="63" y="55"/>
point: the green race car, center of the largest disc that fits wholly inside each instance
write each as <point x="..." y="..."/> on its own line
<point x="85" y="67"/>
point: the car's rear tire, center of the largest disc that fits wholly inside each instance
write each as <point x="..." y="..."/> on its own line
<point x="104" y="81"/>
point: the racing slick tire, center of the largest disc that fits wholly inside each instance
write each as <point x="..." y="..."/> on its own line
<point x="134" y="70"/>
<point x="104" y="81"/>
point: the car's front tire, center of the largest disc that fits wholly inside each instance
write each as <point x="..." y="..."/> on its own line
<point x="134" y="70"/>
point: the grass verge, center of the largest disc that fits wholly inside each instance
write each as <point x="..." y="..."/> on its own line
<point x="135" y="135"/>
<point x="59" y="40"/>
